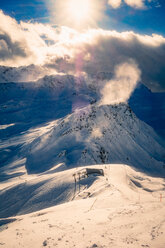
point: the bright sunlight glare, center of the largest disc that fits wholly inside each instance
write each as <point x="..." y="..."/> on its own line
<point x="78" y="13"/>
<point x="79" y="9"/>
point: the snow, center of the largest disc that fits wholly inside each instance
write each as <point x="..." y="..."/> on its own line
<point x="51" y="131"/>
<point x="115" y="213"/>
<point x="122" y="138"/>
<point x="22" y="73"/>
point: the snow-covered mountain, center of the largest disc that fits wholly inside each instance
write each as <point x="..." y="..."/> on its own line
<point x="96" y="135"/>
<point x="55" y="129"/>
<point x="22" y="73"/>
<point x="66" y="124"/>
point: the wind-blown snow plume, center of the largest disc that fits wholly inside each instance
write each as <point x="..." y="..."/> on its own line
<point x="122" y="85"/>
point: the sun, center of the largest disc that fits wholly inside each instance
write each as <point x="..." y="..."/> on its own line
<point x="79" y="10"/>
<point x="77" y="13"/>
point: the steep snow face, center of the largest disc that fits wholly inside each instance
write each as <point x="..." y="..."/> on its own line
<point x="93" y="135"/>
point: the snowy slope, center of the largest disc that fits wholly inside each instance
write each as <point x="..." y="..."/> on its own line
<point x="26" y="106"/>
<point x="121" y="209"/>
<point x="80" y="132"/>
<point x="50" y="131"/>
<point x="21" y="74"/>
<point x="57" y="119"/>
<point x="48" y="98"/>
<point x="97" y="134"/>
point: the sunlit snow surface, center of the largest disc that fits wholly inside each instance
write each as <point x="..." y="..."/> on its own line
<point x="50" y="131"/>
<point x="121" y="209"/>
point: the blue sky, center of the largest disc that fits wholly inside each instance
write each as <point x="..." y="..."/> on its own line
<point x="26" y="10"/>
<point x="149" y="20"/>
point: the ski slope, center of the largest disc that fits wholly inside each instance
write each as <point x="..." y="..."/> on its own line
<point x="121" y="209"/>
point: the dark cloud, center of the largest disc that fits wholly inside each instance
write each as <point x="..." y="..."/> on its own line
<point x="10" y="49"/>
<point x="109" y="50"/>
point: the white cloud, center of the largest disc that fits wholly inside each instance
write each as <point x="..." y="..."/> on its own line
<point x="92" y="51"/>
<point x="100" y="51"/>
<point x="119" y="89"/>
<point x="135" y="3"/>
<point x="115" y="3"/>
<point x="18" y="46"/>
<point x="138" y="4"/>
